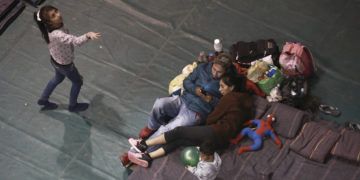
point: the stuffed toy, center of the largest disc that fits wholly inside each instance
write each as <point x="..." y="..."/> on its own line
<point x="263" y="128"/>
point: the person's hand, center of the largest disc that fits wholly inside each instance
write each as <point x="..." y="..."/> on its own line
<point x="207" y="98"/>
<point x="191" y="169"/>
<point x="93" y="35"/>
<point x="198" y="92"/>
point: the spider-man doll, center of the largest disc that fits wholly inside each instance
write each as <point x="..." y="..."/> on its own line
<point x="263" y="128"/>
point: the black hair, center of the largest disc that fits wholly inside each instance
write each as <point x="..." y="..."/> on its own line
<point x="207" y="147"/>
<point x="44" y="24"/>
<point x="237" y="81"/>
<point x="42" y="28"/>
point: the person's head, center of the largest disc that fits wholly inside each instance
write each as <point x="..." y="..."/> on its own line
<point x="207" y="150"/>
<point x="270" y="118"/>
<point x="229" y="83"/>
<point x="48" y="18"/>
<point x="221" y="64"/>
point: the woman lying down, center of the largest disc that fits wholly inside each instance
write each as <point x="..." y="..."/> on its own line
<point x="224" y="123"/>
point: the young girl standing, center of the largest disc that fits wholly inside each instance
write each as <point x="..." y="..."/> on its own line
<point x="61" y="46"/>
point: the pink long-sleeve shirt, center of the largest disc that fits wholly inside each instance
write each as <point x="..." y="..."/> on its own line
<point x="62" y="44"/>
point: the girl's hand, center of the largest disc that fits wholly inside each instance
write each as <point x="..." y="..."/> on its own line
<point x="93" y="35"/>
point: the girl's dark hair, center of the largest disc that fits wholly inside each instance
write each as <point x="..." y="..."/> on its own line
<point x="207" y="147"/>
<point x="238" y="82"/>
<point x="45" y="25"/>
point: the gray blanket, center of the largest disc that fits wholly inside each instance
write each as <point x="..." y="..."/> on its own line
<point x="312" y="151"/>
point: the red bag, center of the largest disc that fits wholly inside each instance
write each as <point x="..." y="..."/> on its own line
<point x="296" y="60"/>
<point x="250" y="86"/>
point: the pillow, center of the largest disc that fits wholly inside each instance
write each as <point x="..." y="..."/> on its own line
<point x="348" y="146"/>
<point x="288" y="119"/>
<point x="315" y="141"/>
<point x="261" y="105"/>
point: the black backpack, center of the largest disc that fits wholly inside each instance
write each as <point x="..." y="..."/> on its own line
<point x="246" y="52"/>
<point x="294" y="90"/>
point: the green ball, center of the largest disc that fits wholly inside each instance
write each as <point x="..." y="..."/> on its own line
<point x="190" y="156"/>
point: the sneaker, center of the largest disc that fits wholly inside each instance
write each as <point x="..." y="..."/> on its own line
<point x="330" y="110"/>
<point x="353" y="126"/>
<point x="141" y="159"/>
<point x="124" y="159"/>
<point x="79" y="107"/>
<point x="133" y="150"/>
<point x="47" y="105"/>
<point x="138" y="144"/>
<point x="146" y="132"/>
<point x="356" y="127"/>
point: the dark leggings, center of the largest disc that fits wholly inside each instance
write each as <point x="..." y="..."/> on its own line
<point x="187" y="136"/>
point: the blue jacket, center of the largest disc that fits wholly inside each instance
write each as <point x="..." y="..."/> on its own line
<point x="201" y="77"/>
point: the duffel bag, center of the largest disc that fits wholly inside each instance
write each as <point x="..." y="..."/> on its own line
<point x="296" y="60"/>
<point x="246" y="52"/>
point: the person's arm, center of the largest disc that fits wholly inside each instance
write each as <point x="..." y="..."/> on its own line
<point x="189" y="82"/>
<point x="219" y="111"/>
<point x="76" y="40"/>
<point x="214" y="101"/>
<point x="190" y="86"/>
<point x="191" y="169"/>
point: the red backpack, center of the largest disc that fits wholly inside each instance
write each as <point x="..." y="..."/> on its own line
<point x="296" y="60"/>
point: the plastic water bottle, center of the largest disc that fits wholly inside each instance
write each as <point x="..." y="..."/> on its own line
<point x="218" y="45"/>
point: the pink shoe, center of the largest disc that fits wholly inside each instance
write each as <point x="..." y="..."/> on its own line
<point x="137" y="145"/>
<point x="139" y="159"/>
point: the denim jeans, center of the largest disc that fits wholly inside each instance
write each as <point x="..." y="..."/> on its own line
<point x="62" y="71"/>
<point x="169" y="113"/>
